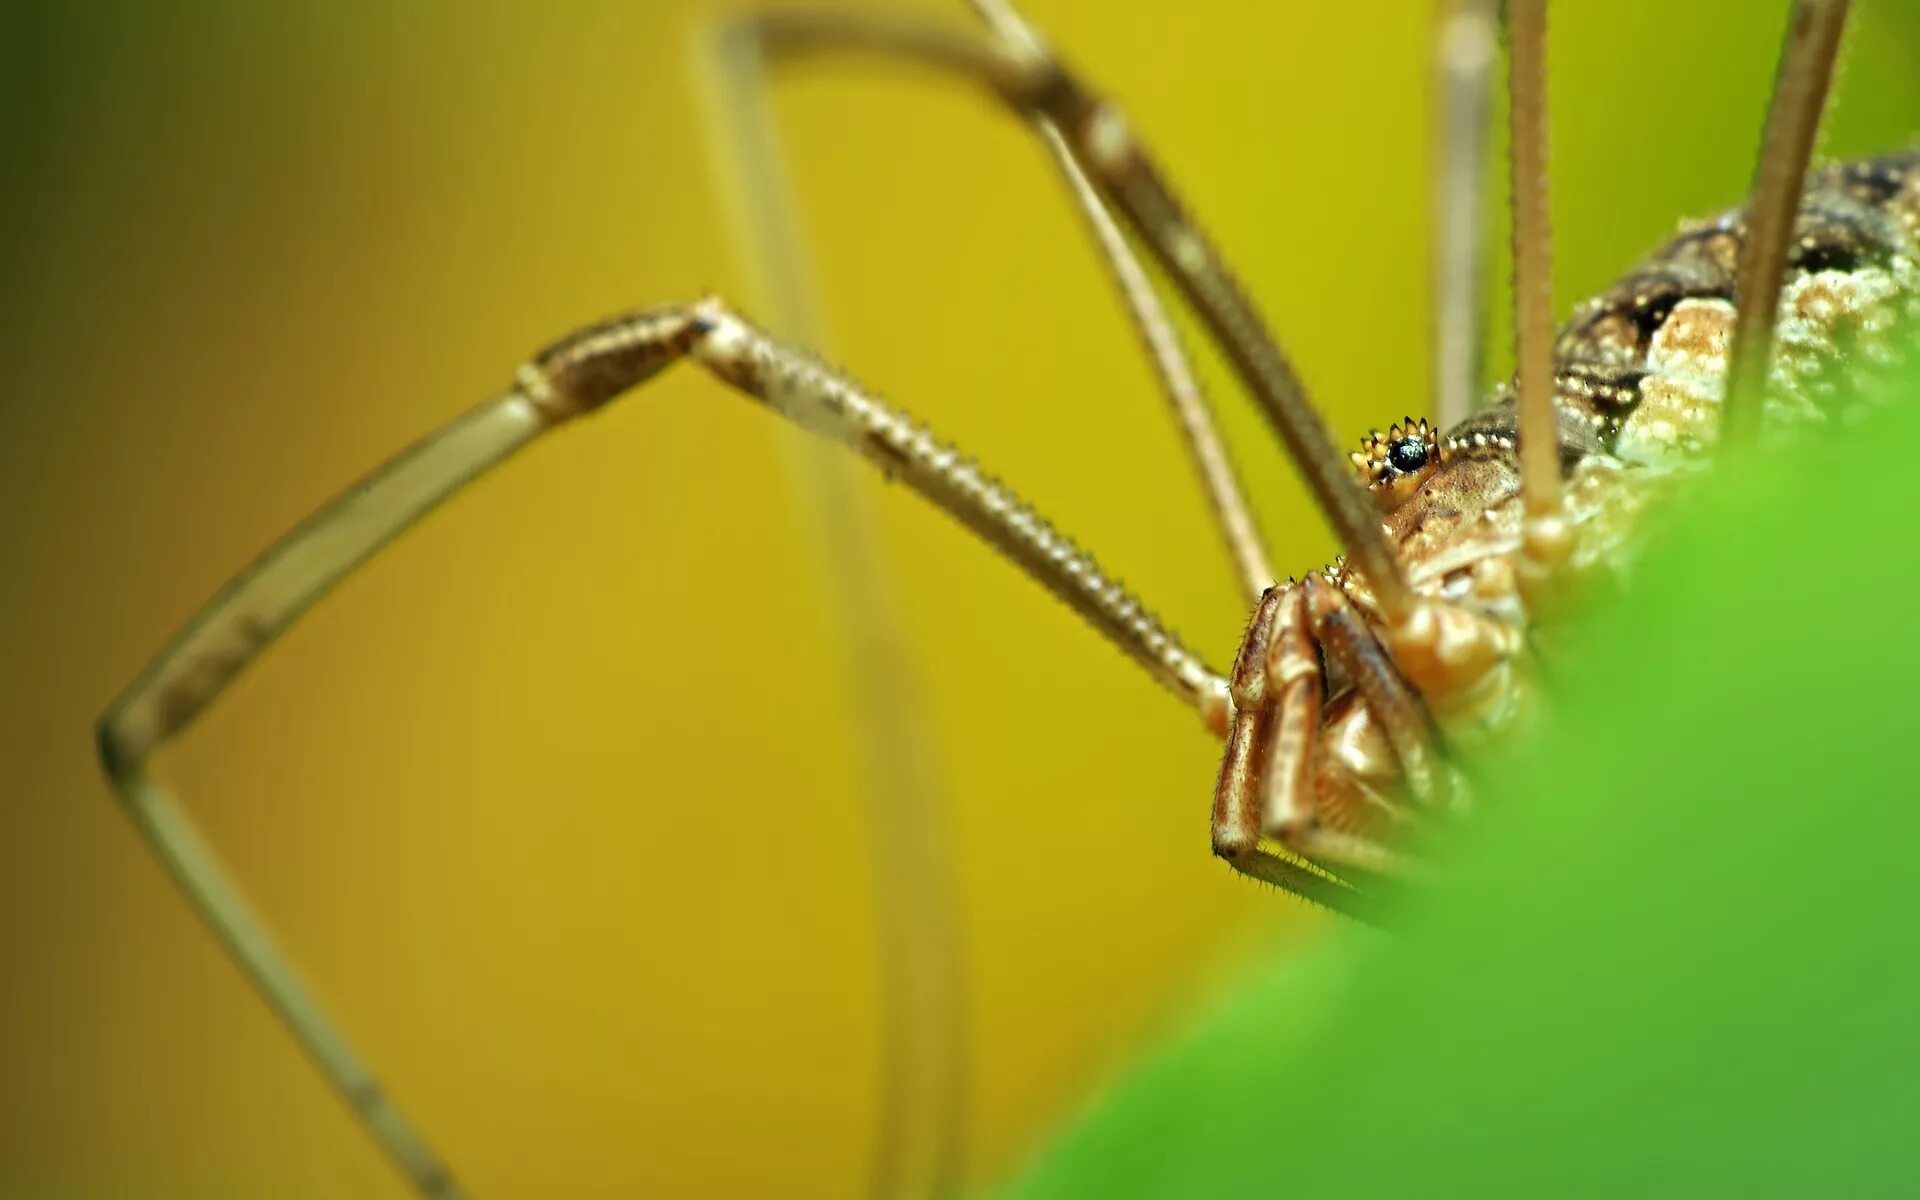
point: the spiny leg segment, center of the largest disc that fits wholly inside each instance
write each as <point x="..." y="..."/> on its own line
<point x="598" y="363"/>
<point x="569" y="379"/>
<point x="1009" y="67"/>
<point x="1181" y="386"/>
<point x="1038" y="86"/>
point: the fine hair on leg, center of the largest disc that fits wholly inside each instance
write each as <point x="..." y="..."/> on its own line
<point x="1191" y="409"/>
<point x="1038" y="86"/>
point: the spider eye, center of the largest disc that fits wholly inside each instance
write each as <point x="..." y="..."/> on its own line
<point x="1407" y="455"/>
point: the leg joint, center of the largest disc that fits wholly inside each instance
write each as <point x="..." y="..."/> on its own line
<point x="121" y="757"/>
<point x="589" y="367"/>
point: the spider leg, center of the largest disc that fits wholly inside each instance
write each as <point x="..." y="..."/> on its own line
<point x="1793" y="122"/>
<point x="768" y="39"/>
<point x="1036" y="85"/>
<point x="919" y="1133"/>
<point x="1191" y="409"/>
<point x="1547" y="540"/>
<point x="1465" y="53"/>
<point x="570" y="378"/>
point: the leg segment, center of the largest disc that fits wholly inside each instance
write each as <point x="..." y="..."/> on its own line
<point x="807" y="393"/>
<point x="771" y="38"/>
<point x="1182" y="387"/>
<point x="1033" y="83"/>
<point x="1533" y="261"/>
<point x="1465" y="53"/>
<point x="919" y="1134"/>
<point x="1799" y="94"/>
<point x="570" y="378"/>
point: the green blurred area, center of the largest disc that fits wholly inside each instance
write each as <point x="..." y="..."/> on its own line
<point x="1673" y="958"/>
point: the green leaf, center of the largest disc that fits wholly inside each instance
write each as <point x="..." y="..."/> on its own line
<point x="1674" y="955"/>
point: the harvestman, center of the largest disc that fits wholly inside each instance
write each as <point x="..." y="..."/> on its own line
<point x="1407" y="652"/>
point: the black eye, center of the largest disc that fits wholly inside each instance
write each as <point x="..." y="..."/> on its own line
<point x="1407" y="455"/>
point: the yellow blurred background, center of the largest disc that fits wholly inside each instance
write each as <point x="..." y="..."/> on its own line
<point x="252" y="249"/>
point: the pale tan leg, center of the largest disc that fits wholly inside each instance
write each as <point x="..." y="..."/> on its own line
<point x="919" y="1135"/>
<point x="1793" y="122"/>
<point x="1181" y="386"/>
<point x="1532" y="261"/>
<point x="1037" y="86"/>
<point x="228" y="634"/>
<point x="1465" y="53"/>
<point x="571" y="378"/>
<point x="775" y="37"/>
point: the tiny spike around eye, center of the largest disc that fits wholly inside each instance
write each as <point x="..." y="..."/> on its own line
<point x="1532" y="259"/>
<point x="1793" y="121"/>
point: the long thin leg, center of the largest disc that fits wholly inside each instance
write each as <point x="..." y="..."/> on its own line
<point x="198" y="873"/>
<point x="1231" y="512"/>
<point x="1533" y="261"/>
<point x="1036" y="85"/>
<point x="1799" y="94"/>
<point x="1465" y="51"/>
<point x="570" y="378"/>
<point x="229" y="633"/>
<point x="919" y="1134"/>
<point x="1181" y="386"/>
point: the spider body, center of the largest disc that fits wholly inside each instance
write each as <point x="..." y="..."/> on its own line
<point x="1639" y="376"/>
